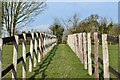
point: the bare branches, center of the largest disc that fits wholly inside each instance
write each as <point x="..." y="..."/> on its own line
<point x="15" y="13"/>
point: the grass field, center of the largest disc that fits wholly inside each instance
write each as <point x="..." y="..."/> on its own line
<point x="61" y="62"/>
<point x="7" y="59"/>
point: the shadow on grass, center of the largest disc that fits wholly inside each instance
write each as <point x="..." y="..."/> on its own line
<point x="44" y="64"/>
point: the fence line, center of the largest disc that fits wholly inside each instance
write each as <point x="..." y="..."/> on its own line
<point x="97" y="38"/>
<point x="39" y="46"/>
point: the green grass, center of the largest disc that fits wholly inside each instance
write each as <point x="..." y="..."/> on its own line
<point x="113" y="57"/>
<point x="61" y="62"/>
<point x="7" y="59"/>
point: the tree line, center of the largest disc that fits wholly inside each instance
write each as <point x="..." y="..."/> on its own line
<point x="93" y="23"/>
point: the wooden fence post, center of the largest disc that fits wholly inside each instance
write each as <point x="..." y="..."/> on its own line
<point x="119" y="54"/>
<point x="71" y="42"/>
<point x="15" y="49"/>
<point x="43" y="44"/>
<point x="74" y="43"/>
<point x="89" y="54"/>
<point x="35" y="54"/>
<point x="84" y="51"/>
<point x="96" y="43"/>
<point x="39" y="57"/>
<point x="24" y="56"/>
<point x="49" y="42"/>
<point x="31" y="52"/>
<point x="77" y="46"/>
<point x="105" y="57"/>
<point x="46" y="43"/>
<point x="1" y="44"/>
<point x="81" y="47"/>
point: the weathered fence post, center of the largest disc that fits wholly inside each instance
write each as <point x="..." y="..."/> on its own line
<point x="84" y="51"/>
<point x="77" y="46"/>
<point x="72" y="42"/>
<point x="49" y="42"/>
<point x="39" y="57"/>
<point x="81" y="47"/>
<point x="42" y="44"/>
<point x="1" y="44"/>
<point x="15" y="49"/>
<point x="105" y="57"/>
<point x="31" y="52"/>
<point x="96" y="43"/>
<point x="75" y="43"/>
<point x="119" y="54"/>
<point x="73" y="48"/>
<point x="24" y="56"/>
<point x="89" y="54"/>
<point x="35" y="54"/>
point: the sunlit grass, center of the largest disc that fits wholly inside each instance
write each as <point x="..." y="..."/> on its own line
<point x="60" y="63"/>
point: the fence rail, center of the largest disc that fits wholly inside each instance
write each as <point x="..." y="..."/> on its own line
<point x="40" y="44"/>
<point x="86" y="53"/>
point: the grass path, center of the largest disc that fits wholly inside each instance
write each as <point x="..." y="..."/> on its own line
<point x="61" y="62"/>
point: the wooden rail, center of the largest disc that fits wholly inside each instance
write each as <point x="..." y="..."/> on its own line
<point x="40" y="44"/>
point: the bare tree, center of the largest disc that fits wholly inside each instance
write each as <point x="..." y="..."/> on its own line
<point x="71" y="23"/>
<point x="16" y="15"/>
